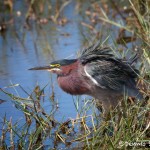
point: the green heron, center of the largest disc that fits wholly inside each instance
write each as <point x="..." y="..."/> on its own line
<point x="98" y="73"/>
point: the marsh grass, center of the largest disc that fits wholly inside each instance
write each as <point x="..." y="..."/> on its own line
<point x="39" y="125"/>
<point x="127" y="124"/>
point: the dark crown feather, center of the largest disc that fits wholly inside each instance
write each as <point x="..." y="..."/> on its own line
<point x="96" y="48"/>
<point x="95" y="51"/>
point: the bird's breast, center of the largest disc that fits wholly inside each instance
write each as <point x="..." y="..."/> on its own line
<point x="73" y="84"/>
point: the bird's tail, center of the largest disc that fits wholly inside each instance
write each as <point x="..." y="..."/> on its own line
<point x="134" y="92"/>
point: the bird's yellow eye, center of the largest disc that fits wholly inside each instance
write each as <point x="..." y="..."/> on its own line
<point x="55" y="65"/>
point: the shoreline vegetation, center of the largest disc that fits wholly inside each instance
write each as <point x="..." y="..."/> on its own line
<point x="125" y="128"/>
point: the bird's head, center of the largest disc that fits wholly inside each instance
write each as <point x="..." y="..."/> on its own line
<point x="60" y="67"/>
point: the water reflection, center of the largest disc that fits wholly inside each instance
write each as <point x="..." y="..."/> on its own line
<point x="22" y="48"/>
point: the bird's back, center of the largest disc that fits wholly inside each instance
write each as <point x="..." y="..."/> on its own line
<point x="110" y="73"/>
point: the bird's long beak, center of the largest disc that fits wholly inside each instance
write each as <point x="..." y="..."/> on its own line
<point x="41" y="68"/>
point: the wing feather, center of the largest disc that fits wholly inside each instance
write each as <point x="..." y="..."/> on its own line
<point x="111" y="73"/>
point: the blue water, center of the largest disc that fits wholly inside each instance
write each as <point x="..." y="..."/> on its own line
<point x="36" y="47"/>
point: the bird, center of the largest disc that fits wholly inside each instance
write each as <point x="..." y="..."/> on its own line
<point x="97" y="72"/>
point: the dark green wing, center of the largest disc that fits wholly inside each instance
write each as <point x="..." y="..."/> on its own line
<point x="111" y="74"/>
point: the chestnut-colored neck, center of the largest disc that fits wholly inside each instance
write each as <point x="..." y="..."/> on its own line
<point x="71" y="81"/>
<point x="67" y="69"/>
